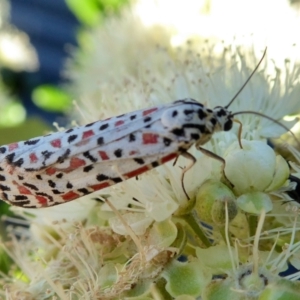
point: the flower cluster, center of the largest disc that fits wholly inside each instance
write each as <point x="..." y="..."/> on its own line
<point x="143" y="239"/>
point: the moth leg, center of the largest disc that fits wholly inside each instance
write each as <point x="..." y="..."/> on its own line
<point x="193" y="160"/>
<point x="239" y="132"/>
<point x="175" y="161"/>
<point x="212" y="155"/>
<point x="217" y="157"/>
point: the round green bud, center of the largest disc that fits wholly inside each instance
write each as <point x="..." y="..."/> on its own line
<point x="210" y="203"/>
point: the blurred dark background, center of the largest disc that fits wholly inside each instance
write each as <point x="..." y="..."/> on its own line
<point x="51" y="27"/>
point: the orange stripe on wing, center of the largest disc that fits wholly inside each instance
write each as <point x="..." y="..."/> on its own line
<point x="100" y="186"/>
<point x="70" y="196"/>
<point x="137" y="172"/>
<point x="168" y="158"/>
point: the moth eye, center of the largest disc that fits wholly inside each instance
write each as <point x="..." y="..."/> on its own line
<point x="228" y="125"/>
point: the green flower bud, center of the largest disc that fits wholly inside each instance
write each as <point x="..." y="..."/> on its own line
<point x="210" y="203"/>
<point x="186" y="278"/>
<point x="254" y="168"/>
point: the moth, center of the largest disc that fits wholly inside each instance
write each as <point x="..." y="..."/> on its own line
<point x="63" y="166"/>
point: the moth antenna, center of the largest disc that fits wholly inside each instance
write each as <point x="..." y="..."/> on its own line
<point x="242" y="87"/>
<point x="269" y="118"/>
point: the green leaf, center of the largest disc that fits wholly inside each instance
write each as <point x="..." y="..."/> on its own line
<point x="86" y="11"/>
<point x="91" y="12"/>
<point x="51" y="98"/>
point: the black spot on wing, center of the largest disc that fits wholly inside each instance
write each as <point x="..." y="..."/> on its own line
<point x="2" y="178"/>
<point x="88" y="155"/>
<point x="69" y="185"/>
<point x="118" y="152"/>
<point x="72" y="138"/>
<point x="31" y="142"/>
<point x="47" y="154"/>
<point x="31" y="169"/>
<point x="3" y="150"/>
<point x="90" y="124"/>
<point x="132" y="137"/>
<point x="64" y="156"/>
<point x="20" y="197"/>
<point x="4" y="188"/>
<point x="100" y="141"/>
<point x="139" y="161"/>
<point x="88" y="168"/>
<point x="10" y="158"/>
<point x="102" y="177"/>
<point x="17" y="163"/>
<point x="31" y="186"/>
<point x="22" y="201"/>
<point x="188" y="111"/>
<point x="59" y="175"/>
<point x="51" y="183"/>
<point x="69" y="130"/>
<point x="56" y="192"/>
<point x="83" y="191"/>
<point x="103" y="126"/>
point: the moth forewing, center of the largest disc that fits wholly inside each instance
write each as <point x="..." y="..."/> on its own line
<point x="64" y="166"/>
<point x="67" y="165"/>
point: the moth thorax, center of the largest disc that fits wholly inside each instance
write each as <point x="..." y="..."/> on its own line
<point x="181" y="116"/>
<point x="224" y="119"/>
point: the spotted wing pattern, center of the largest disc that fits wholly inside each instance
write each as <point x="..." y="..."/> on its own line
<point x="64" y="166"/>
